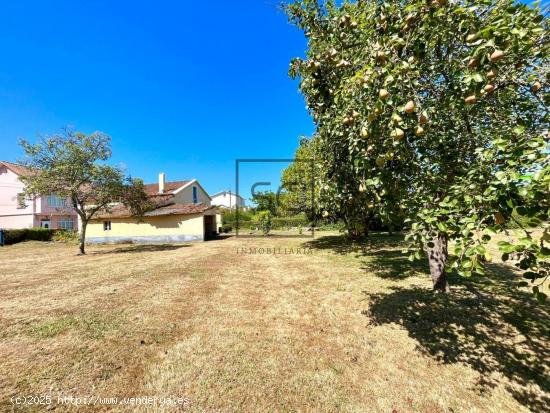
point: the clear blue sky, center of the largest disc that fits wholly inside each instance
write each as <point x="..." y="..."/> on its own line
<point x="182" y="87"/>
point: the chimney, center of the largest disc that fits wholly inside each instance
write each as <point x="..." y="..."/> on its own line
<point x="162" y="181"/>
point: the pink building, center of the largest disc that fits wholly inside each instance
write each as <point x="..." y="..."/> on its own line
<point x="18" y="212"/>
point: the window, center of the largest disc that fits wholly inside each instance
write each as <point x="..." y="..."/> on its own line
<point x="55" y="201"/>
<point x="66" y="223"/>
<point x="21" y="204"/>
<point x="106" y="225"/>
<point x="195" y="195"/>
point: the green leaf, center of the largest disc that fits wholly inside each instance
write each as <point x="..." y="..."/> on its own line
<point x="540" y="296"/>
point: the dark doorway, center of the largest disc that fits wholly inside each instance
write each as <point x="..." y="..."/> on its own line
<point x="210" y="227"/>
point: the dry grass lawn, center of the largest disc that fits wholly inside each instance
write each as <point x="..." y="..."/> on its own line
<point x="346" y="328"/>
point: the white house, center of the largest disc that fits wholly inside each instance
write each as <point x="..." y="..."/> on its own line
<point x="228" y="199"/>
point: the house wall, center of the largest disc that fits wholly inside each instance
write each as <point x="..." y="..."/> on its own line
<point x="17" y="221"/>
<point x="170" y="228"/>
<point x="55" y="220"/>
<point x="185" y="196"/>
<point x="42" y="207"/>
<point x="10" y="215"/>
<point x="228" y="201"/>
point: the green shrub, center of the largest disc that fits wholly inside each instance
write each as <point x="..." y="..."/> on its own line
<point x="290" y="222"/>
<point x="230" y="217"/>
<point x="331" y="226"/>
<point x="65" y="236"/>
<point x="13" y="236"/>
<point x="227" y="228"/>
<point x="264" y="221"/>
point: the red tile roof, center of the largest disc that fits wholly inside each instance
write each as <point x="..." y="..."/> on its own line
<point x="15" y="168"/>
<point x="179" y="209"/>
<point x="120" y="211"/>
<point x="169" y="187"/>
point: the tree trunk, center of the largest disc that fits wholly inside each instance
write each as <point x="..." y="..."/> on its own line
<point x="437" y="257"/>
<point x="366" y="225"/>
<point x="82" y="238"/>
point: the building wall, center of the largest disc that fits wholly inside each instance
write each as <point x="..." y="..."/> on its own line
<point x="170" y="228"/>
<point x="228" y="201"/>
<point x="42" y="207"/>
<point x="10" y="215"/>
<point x="55" y="220"/>
<point x="17" y="221"/>
<point x="185" y="196"/>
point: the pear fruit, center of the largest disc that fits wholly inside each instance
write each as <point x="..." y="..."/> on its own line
<point x="473" y="62"/>
<point x="536" y="87"/>
<point x="362" y="187"/>
<point x="471" y="37"/>
<point x="496" y="56"/>
<point x="384" y="94"/>
<point x="409" y="107"/>
<point x="396" y="118"/>
<point x="325" y="214"/>
<point x="380" y="162"/>
<point x="491" y="74"/>
<point x="419" y="131"/>
<point x="364" y="132"/>
<point x="489" y="87"/>
<point x="470" y="100"/>
<point x="398" y="134"/>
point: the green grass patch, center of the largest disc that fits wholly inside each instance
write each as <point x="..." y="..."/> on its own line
<point x="53" y="327"/>
<point x="92" y="326"/>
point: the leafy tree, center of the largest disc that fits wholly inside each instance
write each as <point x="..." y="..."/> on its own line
<point x="433" y="111"/>
<point x="136" y="198"/>
<point x="265" y="201"/>
<point x="71" y="166"/>
<point x="299" y="182"/>
<point x="265" y="222"/>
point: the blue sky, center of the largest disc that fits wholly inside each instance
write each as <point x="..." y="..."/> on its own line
<point x="182" y="87"/>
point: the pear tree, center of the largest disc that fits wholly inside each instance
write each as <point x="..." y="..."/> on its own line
<point x="434" y="111"/>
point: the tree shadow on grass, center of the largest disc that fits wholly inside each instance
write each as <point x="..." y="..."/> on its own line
<point x="141" y="248"/>
<point x="393" y="264"/>
<point x="380" y="254"/>
<point x="486" y="322"/>
<point x="343" y="245"/>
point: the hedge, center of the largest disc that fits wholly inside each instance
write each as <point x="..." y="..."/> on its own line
<point x="13" y="236"/>
<point x="277" y="223"/>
